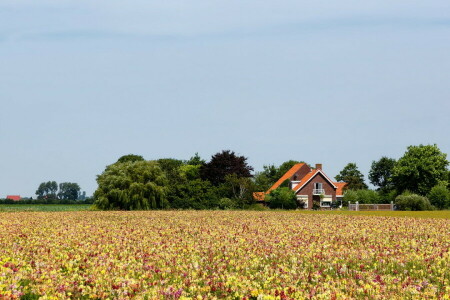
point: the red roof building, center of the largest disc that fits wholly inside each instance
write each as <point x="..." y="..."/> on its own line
<point x="310" y="185"/>
<point x="13" y="197"/>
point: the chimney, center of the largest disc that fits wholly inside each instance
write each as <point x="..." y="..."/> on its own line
<point x="319" y="166"/>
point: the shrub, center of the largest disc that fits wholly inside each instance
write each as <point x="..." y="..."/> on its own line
<point x="440" y="196"/>
<point x="409" y="201"/>
<point x="362" y="196"/>
<point x="283" y="198"/>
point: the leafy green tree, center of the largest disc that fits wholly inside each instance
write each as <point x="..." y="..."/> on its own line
<point x="131" y="185"/>
<point x="266" y="178"/>
<point x="353" y="177"/>
<point x="69" y="191"/>
<point x="195" y="160"/>
<point x="130" y="158"/>
<point x="381" y="172"/>
<point x="194" y="194"/>
<point x="439" y="196"/>
<point x="420" y="169"/>
<point x="414" y="202"/>
<point x="283" y="198"/>
<point x="364" y="196"/>
<point x="47" y="190"/>
<point x="225" y="163"/>
<point x="240" y="189"/>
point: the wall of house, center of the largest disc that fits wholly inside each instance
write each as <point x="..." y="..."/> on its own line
<point x="308" y="189"/>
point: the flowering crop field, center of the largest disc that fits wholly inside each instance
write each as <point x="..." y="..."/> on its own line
<point x="222" y="255"/>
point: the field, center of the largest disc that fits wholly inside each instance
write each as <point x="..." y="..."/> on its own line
<point x="217" y="254"/>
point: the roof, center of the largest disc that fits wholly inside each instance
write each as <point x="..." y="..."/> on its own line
<point x="309" y="176"/>
<point x="340" y="188"/>
<point x="259" y="196"/>
<point x="286" y="176"/>
<point x="13" y="197"/>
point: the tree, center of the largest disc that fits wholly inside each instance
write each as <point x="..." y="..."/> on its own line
<point x="195" y="160"/>
<point x="194" y="194"/>
<point x="69" y="191"/>
<point x="131" y="158"/>
<point x="266" y="178"/>
<point x="47" y="190"/>
<point x="365" y="196"/>
<point x="131" y="185"/>
<point x="353" y="177"/>
<point x="225" y="163"/>
<point x="439" y="196"/>
<point x="381" y="172"/>
<point x="420" y="169"/>
<point x="283" y="198"/>
<point x="240" y="189"/>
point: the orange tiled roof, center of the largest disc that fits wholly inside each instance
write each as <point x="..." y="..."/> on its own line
<point x="286" y="176"/>
<point x="259" y="196"/>
<point x="305" y="179"/>
<point x="340" y="187"/>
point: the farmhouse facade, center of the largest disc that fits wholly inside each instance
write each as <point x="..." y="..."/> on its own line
<point x="311" y="185"/>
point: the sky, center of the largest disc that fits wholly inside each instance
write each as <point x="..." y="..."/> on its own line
<point x="85" y="82"/>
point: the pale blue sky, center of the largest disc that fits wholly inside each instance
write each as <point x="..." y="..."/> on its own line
<point x="84" y="82"/>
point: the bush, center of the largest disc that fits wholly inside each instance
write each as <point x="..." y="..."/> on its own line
<point x="227" y="203"/>
<point x="362" y="196"/>
<point x="414" y="202"/>
<point x="440" y="196"/>
<point x="283" y="198"/>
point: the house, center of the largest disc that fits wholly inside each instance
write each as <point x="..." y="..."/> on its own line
<point x="13" y="197"/>
<point x="311" y="185"/>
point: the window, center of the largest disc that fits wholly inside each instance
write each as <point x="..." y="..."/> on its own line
<point x="326" y="201"/>
<point x="304" y="199"/>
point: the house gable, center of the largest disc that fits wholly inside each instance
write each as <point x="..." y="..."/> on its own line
<point x="310" y="177"/>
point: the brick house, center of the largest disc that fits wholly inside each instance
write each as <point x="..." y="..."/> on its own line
<point x="310" y="185"/>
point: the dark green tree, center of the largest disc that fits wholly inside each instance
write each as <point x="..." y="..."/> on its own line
<point x="420" y="169"/>
<point x="225" y="163"/>
<point x="380" y="174"/>
<point x="69" y="191"/>
<point x="195" y="160"/>
<point x="131" y="158"/>
<point x="194" y="194"/>
<point x="353" y="177"/>
<point x="283" y="198"/>
<point x="131" y="185"/>
<point x="47" y="190"/>
<point x="266" y="178"/>
<point x="439" y="196"/>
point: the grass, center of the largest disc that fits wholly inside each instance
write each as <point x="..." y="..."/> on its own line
<point x="43" y="207"/>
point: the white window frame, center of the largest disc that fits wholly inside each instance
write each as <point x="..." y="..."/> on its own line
<point x="305" y="199"/>
<point x="330" y="201"/>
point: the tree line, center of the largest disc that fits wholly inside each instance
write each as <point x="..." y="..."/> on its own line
<point x="416" y="181"/>
<point x="226" y="182"/>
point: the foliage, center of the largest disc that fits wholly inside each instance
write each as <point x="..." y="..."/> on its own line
<point x="363" y="197"/>
<point x="225" y="163"/>
<point x="69" y="191"/>
<point x="381" y="172"/>
<point x="47" y="190"/>
<point x="227" y="203"/>
<point x="240" y="189"/>
<point x="420" y="169"/>
<point x="196" y="160"/>
<point x="282" y="197"/>
<point x="131" y="185"/>
<point x="194" y="194"/>
<point x="414" y="202"/>
<point x="224" y="255"/>
<point x="439" y="196"/>
<point x="130" y="158"/>
<point x="266" y="178"/>
<point x="353" y="177"/>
